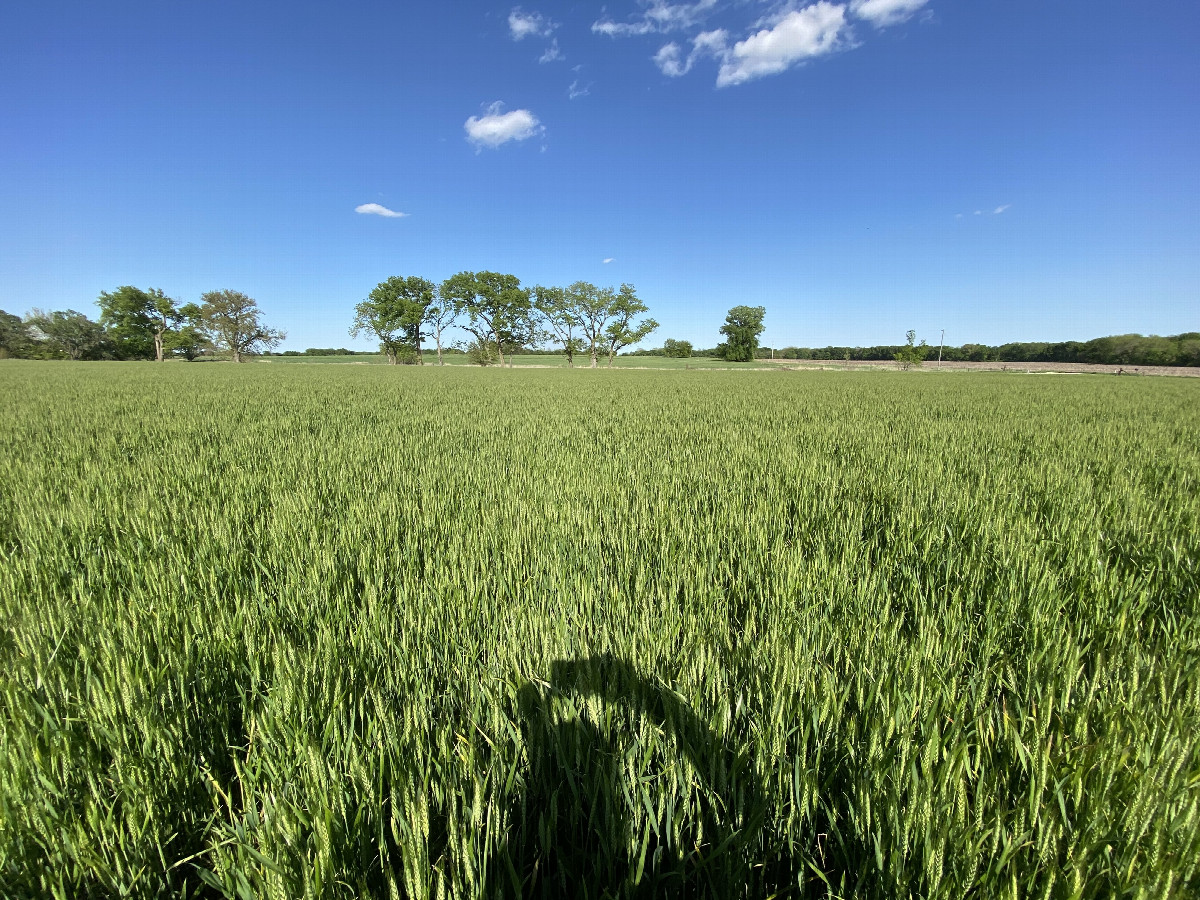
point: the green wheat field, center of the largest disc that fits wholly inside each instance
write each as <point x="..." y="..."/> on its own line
<point x="354" y="631"/>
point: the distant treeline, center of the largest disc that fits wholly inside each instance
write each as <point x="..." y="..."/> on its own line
<point x="1121" y="349"/>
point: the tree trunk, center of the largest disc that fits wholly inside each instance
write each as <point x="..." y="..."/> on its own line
<point x="237" y="354"/>
<point x="438" y="338"/>
<point x="499" y="350"/>
<point x="595" y="361"/>
<point x="158" y="346"/>
<point x="391" y="358"/>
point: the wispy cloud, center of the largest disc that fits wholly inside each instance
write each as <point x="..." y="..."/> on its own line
<point x="658" y="16"/>
<point x="522" y="24"/>
<point x="794" y="32"/>
<point x="671" y="63"/>
<point x="577" y="90"/>
<point x="882" y="13"/>
<point x="374" y="209"/>
<point x="552" y="54"/>
<point x="1000" y="209"/>
<point x="497" y="127"/>
<point x="796" y="36"/>
<point x="608" y="259"/>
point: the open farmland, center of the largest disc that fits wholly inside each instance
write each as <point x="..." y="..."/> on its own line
<point x="354" y="631"/>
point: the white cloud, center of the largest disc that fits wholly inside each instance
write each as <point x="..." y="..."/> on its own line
<point x="578" y="90"/>
<point x="708" y="43"/>
<point x="523" y="24"/>
<point x="882" y="13"/>
<point x="659" y="16"/>
<point x="798" y="35"/>
<point x="497" y="127"/>
<point x="668" y="61"/>
<point x="1000" y="209"/>
<point x="552" y="54"/>
<point x="609" y="259"/>
<point x="374" y="209"/>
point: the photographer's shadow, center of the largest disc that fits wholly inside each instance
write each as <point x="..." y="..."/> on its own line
<point x="586" y="825"/>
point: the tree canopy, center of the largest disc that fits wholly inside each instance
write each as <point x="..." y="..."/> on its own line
<point x="68" y="333"/>
<point x="394" y="312"/>
<point x="742" y="327"/>
<point x="496" y="306"/>
<point x="234" y="322"/>
<point x="138" y="322"/>
<point x="622" y="331"/>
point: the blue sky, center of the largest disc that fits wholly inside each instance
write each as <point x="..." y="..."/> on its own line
<point x="1003" y="170"/>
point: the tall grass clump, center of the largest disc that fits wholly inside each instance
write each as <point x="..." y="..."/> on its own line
<point x="295" y="632"/>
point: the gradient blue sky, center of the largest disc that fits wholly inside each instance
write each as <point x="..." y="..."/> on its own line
<point x="1003" y="170"/>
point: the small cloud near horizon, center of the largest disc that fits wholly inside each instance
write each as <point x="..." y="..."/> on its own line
<point x="609" y="259"/>
<point x="375" y="209"/>
<point x="1000" y="209"/>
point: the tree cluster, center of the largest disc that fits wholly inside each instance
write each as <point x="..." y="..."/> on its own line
<point x="141" y="324"/>
<point x="502" y="317"/>
<point x="1117" y="350"/>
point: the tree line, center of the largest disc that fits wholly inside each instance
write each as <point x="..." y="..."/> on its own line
<point x="502" y="317"/>
<point x="1118" y="350"/>
<point x="142" y="324"/>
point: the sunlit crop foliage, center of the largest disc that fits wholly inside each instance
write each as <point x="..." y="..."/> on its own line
<point x="362" y="632"/>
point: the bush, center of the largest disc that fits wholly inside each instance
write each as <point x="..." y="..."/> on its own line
<point x="677" y="349"/>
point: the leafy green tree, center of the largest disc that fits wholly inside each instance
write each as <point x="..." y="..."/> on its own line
<point x="498" y="309"/>
<point x="15" y="339"/>
<point x="677" y="349"/>
<point x="561" y="318"/>
<point x="137" y="321"/>
<point x="233" y="322"/>
<point x="911" y="354"/>
<point x="480" y="353"/>
<point x="68" y="333"/>
<point x="188" y="339"/>
<point x="439" y="316"/>
<point x="395" y="313"/>
<point x="593" y="307"/>
<point x="742" y="327"/>
<point x="622" y="331"/>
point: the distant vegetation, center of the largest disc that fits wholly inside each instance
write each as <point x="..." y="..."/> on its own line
<point x="503" y="318"/>
<point x="142" y="324"/>
<point x="1117" y="350"/>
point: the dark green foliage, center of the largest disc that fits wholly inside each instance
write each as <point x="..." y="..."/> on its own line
<point x="742" y="327"/>
<point x="395" y="312"/>
<point x="68" y="334"/>
<point x="498" y="310"/>
<point x="622" y="330"/>
<point x="138" y="322"/>
<point x="1124" y="350"/>
<point x="677" y="349"/>
<point x="912" y="354"/>
<point x="16" y="340"/>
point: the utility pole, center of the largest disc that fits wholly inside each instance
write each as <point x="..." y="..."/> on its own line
<point x="940" y="343"/>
